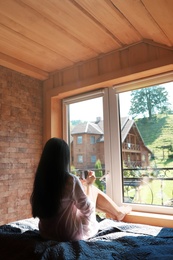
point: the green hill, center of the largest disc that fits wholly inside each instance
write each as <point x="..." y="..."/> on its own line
<point x="157" y="134"/>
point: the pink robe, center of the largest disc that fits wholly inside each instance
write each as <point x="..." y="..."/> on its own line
<point x="76" y="217"/>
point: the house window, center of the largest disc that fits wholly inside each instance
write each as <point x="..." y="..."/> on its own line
<point x="143" y="157"/>
<point x="79" y="140"/>
<point x="92" y="140"/>
<point x="80" y="158"/>
<point x="93" y="158"/>
<point x="146" y="184"/>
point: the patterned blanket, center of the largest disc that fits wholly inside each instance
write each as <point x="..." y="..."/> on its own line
<point x="115" y="240"/>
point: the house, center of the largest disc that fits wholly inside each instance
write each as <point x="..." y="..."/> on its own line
<point x="134" y="152"/>
<point x="88" y="145"/>
<point x="59" y="49"/>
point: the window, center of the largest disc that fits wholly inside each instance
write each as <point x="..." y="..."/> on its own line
<point x="80" y="158"/>
<point x="147" y="114"/>
<point x="93" y="158"/>
<point x="92" y="140"/>
<point x="134" y="167"/>
<point x="79" y="139"/>
<point x="85" y="118"/>
<point x="143" y="158"/>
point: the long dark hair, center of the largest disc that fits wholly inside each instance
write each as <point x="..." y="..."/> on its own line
<point x="50" y="178"/>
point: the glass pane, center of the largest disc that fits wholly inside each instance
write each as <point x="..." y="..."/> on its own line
<point x="147" y="145"/>
<point x="87" y="139"/>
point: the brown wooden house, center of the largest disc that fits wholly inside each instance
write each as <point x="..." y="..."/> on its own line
<point x="88" y="145"/>
<point x="134" y="152"/>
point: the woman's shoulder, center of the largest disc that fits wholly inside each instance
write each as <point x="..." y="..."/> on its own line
<point x="73" y="177"/>
<point x="71" y="183"/>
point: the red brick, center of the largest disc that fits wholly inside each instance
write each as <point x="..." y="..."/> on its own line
<point x="20" y="142"/>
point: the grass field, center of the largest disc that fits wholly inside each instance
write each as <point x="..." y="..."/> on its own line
<point x="158" y="133"/>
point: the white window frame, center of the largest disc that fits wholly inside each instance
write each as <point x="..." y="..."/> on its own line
<point x="86" y="96"/>
<point x="116" y="161"/>
<point x="112" y="136"/>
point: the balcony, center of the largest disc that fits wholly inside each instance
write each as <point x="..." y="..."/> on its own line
<point x="131" y="146"/>
<point x="149" y="186"/>
<point x="133" y="164"/>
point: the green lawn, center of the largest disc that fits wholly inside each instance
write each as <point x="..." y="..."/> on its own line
<point x="157" y="192"/>
<point x="156" y="133"/>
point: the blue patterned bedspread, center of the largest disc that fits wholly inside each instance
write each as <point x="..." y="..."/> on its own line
<point x="115" y="240"/>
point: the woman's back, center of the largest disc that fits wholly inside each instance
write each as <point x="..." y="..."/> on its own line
<point x="75" y="219"/>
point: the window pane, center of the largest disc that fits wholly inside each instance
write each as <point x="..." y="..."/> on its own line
<point x="92" y="139"/>
<point x="147" y="145"/>
<point x="80" y="158"/>
<point x="93" y="158"/>
<point x="87" y="138"/>
<point x="79" y="139"/>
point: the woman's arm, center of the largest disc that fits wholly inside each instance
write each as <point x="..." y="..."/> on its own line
<point x="82" y="201"/>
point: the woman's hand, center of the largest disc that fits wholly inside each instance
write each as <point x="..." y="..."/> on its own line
<point x="91" y="177"/>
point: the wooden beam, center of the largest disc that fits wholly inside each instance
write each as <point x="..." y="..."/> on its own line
<point x="133" y="63"/>
<point x="22" y="67"/>
<point x="118" y="78"/>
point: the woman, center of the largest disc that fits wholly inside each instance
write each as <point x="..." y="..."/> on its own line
<point x="62" y="202"/>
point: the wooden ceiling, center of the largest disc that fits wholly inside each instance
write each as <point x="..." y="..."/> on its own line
<point x="40" y="37"/>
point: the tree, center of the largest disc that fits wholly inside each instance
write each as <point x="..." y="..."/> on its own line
<point x="151" y="100"/>
<point x="99" y="174"/>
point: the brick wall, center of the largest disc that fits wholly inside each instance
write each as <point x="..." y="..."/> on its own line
<point x="20" y="142"/>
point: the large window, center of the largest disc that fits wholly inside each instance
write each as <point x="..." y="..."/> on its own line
<point x="147" y="145"/>
<point x="134" y="144"/>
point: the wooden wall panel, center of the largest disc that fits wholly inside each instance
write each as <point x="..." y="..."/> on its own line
<point x="88" y="69"/>
<point x="139" y="61"/>
<point x="111" y="62"/>
<point x="131" y="60"/>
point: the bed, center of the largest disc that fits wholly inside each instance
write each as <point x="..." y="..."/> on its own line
<point x="115" y="240"/>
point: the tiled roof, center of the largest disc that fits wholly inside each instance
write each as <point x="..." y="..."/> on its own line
<point x="126" y="125"/>
<point x="100" y="139"/>
<point x="90" y="128"/>
<point x="97" y="128"/>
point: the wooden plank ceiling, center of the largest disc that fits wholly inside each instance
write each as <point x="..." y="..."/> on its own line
<point x="39" y="37"/>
